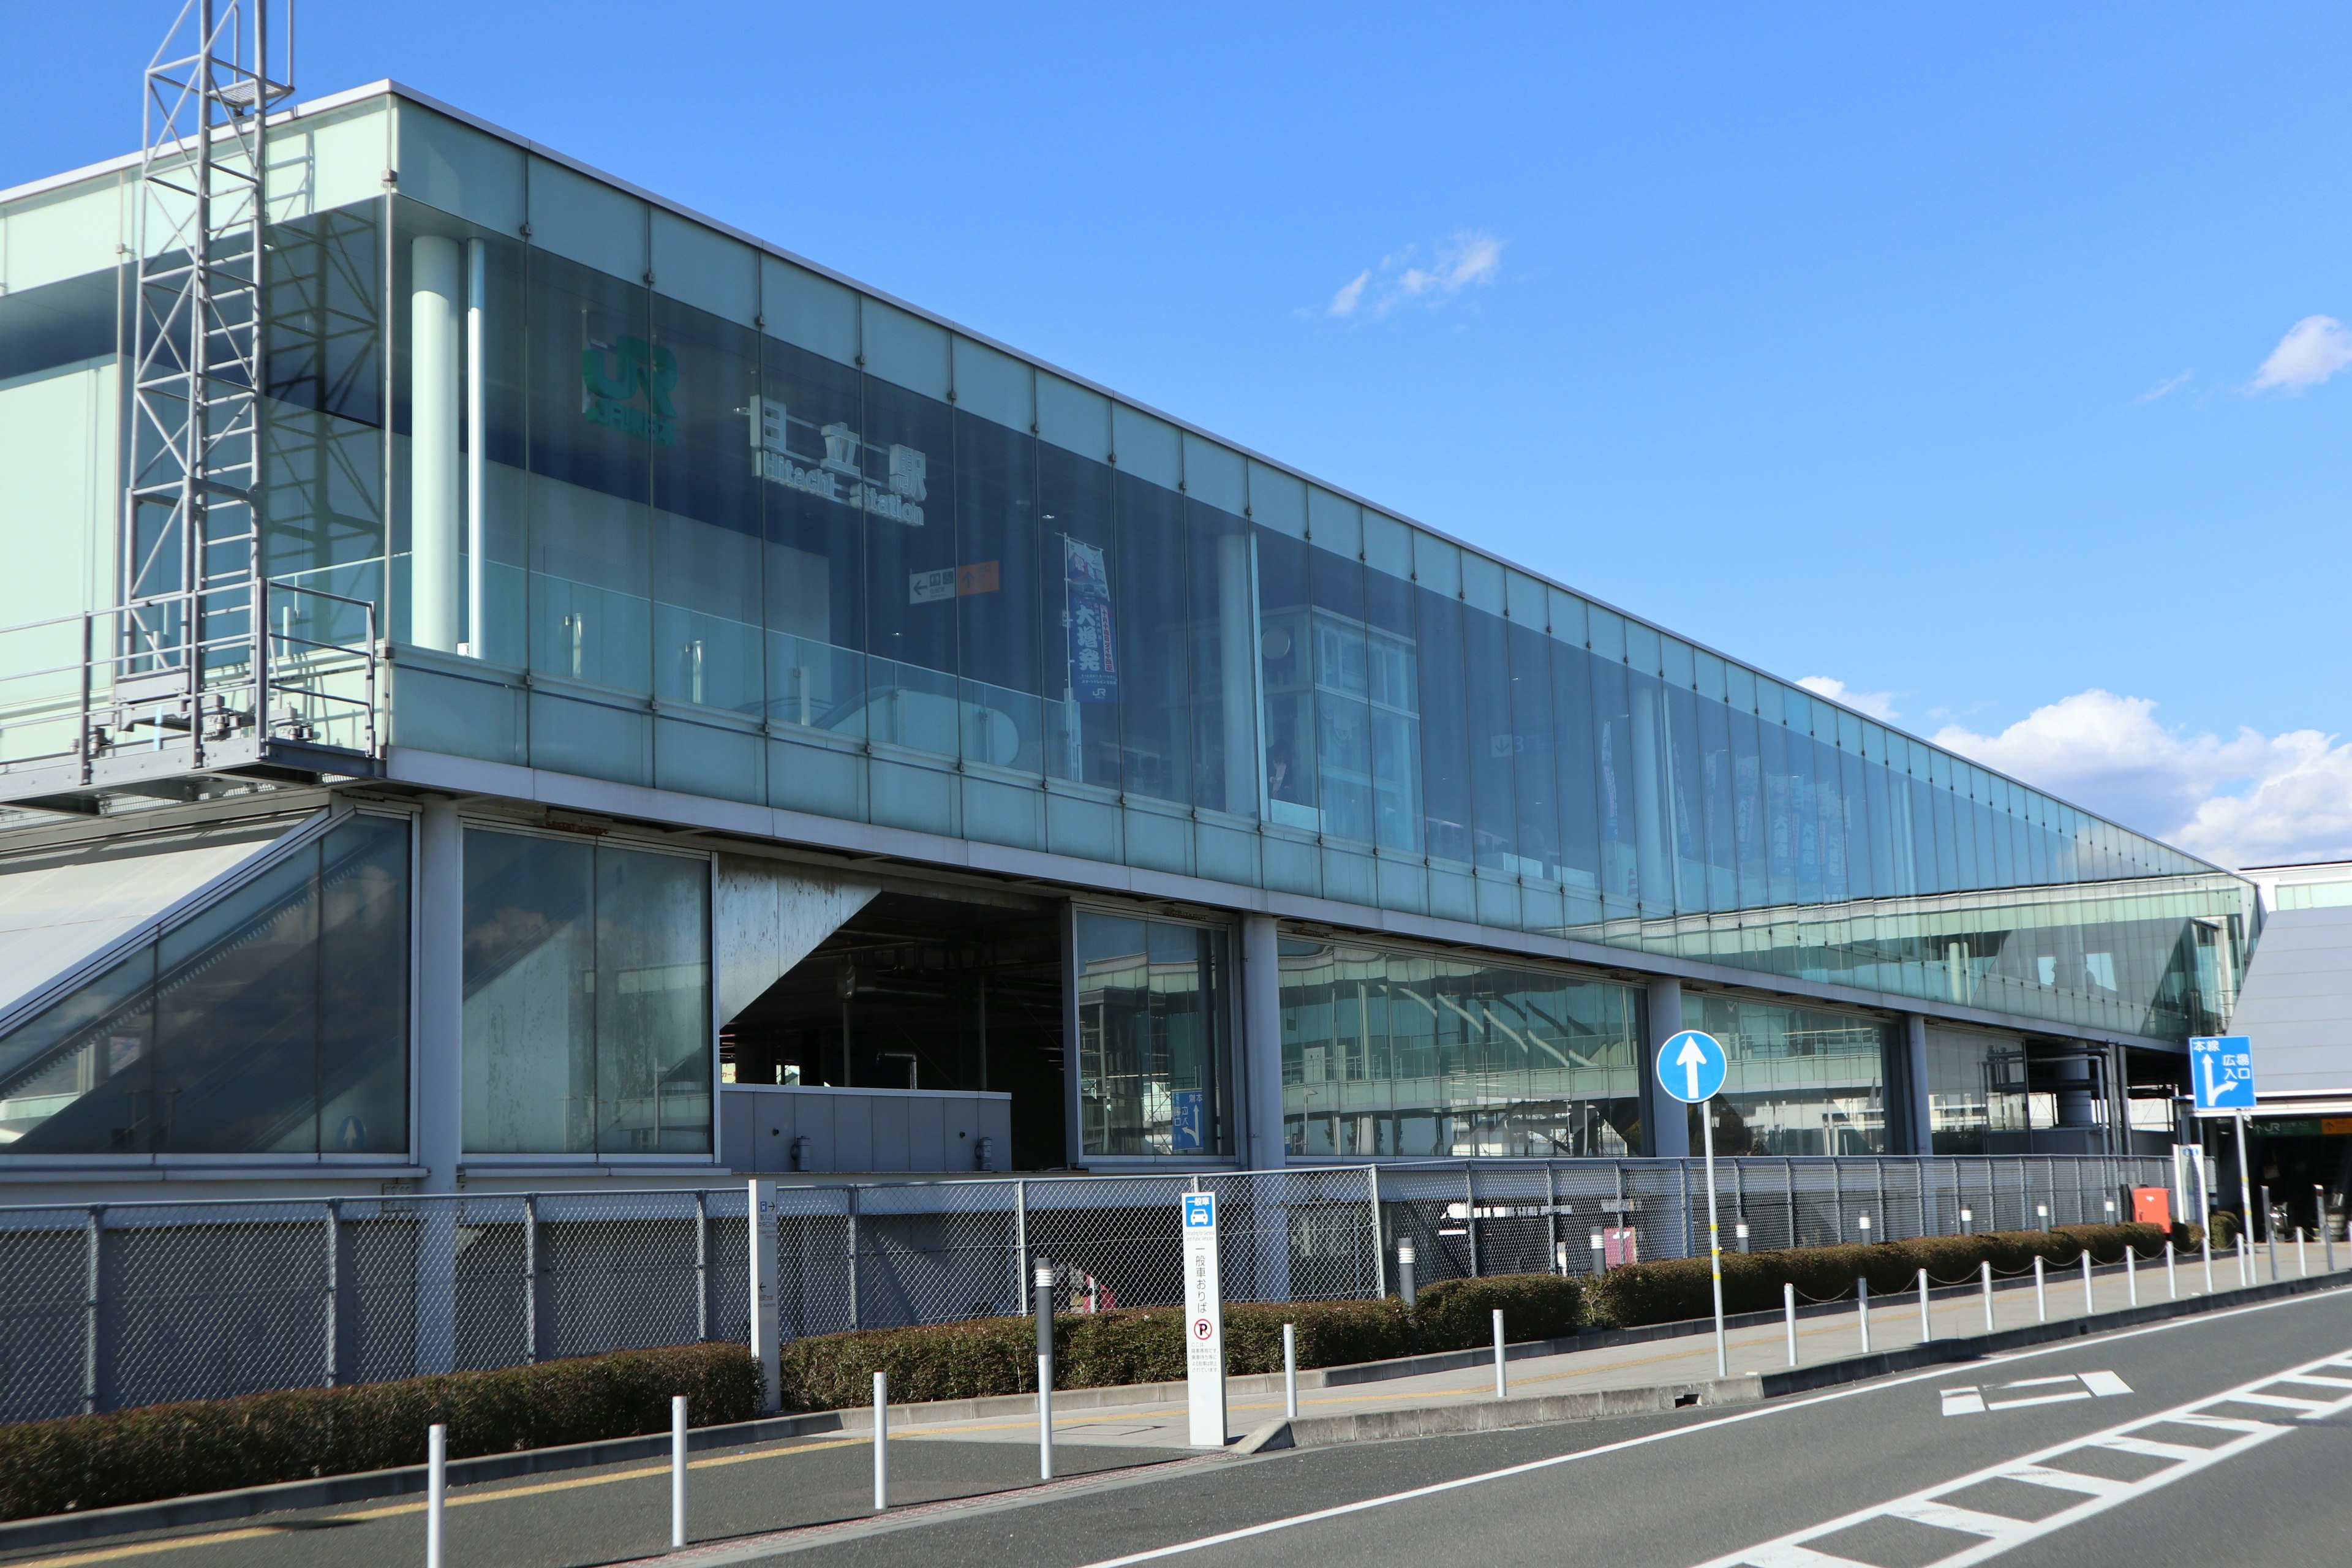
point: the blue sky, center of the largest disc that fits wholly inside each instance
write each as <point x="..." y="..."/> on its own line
<point x="1917" y="348"/>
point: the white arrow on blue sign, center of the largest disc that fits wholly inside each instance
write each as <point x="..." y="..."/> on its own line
<point x="1690" y="1065"/>
<point x="2222" y="1071"/>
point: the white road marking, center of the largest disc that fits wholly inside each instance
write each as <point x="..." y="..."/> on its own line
<point x="1360" y="1505"/>
<point x="1976" y="1399"/>
<point x="1980" y="1536"/>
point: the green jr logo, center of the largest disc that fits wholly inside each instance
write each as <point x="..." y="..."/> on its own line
<point x="625" y="385"/>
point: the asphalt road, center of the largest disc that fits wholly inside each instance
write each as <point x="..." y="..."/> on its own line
<point x="1664" y="1491"/>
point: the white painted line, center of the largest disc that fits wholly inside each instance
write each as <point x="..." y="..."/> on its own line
<point x="1963" y="1402"/>
<point x="2106" y="1384"/>
<point x="2080" y="1393"/>
<point x="1175" y="1549"/>
<point x="1967" y="1520"/>
<point x="2064" y="1480"/>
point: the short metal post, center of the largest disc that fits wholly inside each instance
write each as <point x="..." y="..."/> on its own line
<point x="677" y="1471"/>
<point x="2090" y="1303"/>
<point x="1927" y="1330"/>
<point x="1290" y="1370"/>
<point x="436" y="1491"/>
<point x="2205" y="1245"/>
<point x="2131" y="1274"/>
<point x="2042" y="1213"/>
<point x="2319" y="1217"/>
<point x="1502" y="1388"/>
<point x="1861" y="1311"/>
<point x="2270" y="1242"/>
<point x="1984" y="1272"/>
<point x="2302" y="1263"/>
<point x="1740" y="1230"/>
<point x="1406" y="1273"/>
<point x="1559" y="1258"/>
<point x="1599" y="1256"/>
<point x="1044" y="1370"/>
<point x="1967" y="1214"/>
<point x="881" y="1441"/>
<point x="1788" y="1318"/>
<point x="2245" y="1262"/>
<point x="2041" y="1301"/>
<point x="2171" y="1273"/>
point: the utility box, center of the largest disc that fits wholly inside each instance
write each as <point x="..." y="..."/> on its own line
<point x="2152" y="1206"/>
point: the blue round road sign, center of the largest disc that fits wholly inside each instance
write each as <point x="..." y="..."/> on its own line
<point x="1690" y="1065"/>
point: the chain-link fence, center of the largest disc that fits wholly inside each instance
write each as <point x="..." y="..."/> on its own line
<point x="123" y="1304"/>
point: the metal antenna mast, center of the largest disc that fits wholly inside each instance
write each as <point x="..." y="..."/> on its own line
<point x="191" y="517"/>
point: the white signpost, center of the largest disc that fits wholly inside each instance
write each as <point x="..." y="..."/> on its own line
<point x="1691" y="1068"/>
<point x="767" y="1322"/>
<point x="1204" y="1322"/>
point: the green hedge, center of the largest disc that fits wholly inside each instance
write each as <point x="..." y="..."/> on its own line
<point x="83" y="1462"/>
<point x="1677" y="1289"/>
<point x="1101" y="1350"/>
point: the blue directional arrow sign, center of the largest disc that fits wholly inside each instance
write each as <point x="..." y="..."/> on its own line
<point x="1690" y="1065"/>
<point x="2222" y="1071"/>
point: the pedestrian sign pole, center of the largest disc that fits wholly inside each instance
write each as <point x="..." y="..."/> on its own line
<point x="1204" y="1323"/>
<point x="1691" y="1068"/>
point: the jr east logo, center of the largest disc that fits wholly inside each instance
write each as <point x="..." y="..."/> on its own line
<point x="625" y="385"/>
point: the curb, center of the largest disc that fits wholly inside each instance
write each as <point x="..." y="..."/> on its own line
<point x="1498" y="1415"/>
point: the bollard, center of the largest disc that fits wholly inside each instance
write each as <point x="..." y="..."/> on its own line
<point x="1290" y="1370"/>
<point x="1984" y="1272"/>
<point x="1966" y="1215"/>
<point x="2041" y="1300"/>
<point x="881" y="1441"/>
<point x="2245" y="1263"/>
<point x="677" y="1471"/>
<point x="1501" y="1387"/>
<point x="2302" y="1263"/>
<point x="1927" y="1330"/>
<point x="1861" y="1311"/>
<point x="1405" y="1281"/>
<point x="1739" y="1231"/>
<point x="2270" y="1246"/>
<point x="1559" y="1258"/>
<point x="1788" y="1315"/>
<point x="2042" y="1213"/>
<point x="1600" y="1255"/>
<point x="2090" y="1303"/>
<point x="1045" y="1371"/>
<point x="2131" y="1274"/>
<point x="2205" y="1245"/>
<point x="436" y="1491"/>
<point x="2171" y="1274"/>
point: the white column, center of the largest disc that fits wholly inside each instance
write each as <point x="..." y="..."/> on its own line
<point x="440" y="1026"/>
<point x="1261" y="1042"/>
<point x="435" y="472"/>
<point x="476" y="507"/>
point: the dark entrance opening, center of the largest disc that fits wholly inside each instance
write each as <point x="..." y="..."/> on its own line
<point x="917" y="993"/>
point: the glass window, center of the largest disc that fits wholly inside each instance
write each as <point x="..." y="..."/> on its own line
<point x="1535" y="754"/>
<point x="997" y="581"/>
<point x="1343" y="678"/>
<point x="815" y="580"/>
<point x="1487" y="683"/>
<point x="1084" y="676"/>
<point x="1154" y="641"/>
<point x="1153" y="1031"/>
<point x="1579" y="823"/>
<point x="1287" y="635"/>
<point x="1226" y="766"/>
<point x="905" y="476"/>
<point x="587" y="998"/>
<point x="1445" y="739"/>
<point x="706" y="520"/>
<point x="1392" y="699"/>
<point x="273" y="1021"/>
<point x="1802" y="1080"/>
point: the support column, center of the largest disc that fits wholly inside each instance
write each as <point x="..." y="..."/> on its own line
<point x="1261" y="1042"/>
<point x="440" y="1033"/>
<point x="435" y="472"/>
<point x="1913" y="1106"/>
<point x="1665" y="1123"/>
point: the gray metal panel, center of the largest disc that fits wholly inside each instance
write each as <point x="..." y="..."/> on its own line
<point x="2296" y="1003"/>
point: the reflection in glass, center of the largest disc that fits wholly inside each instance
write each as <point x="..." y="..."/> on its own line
<point x="1152" y="1037"/>
<point x="1802" y="1080"/>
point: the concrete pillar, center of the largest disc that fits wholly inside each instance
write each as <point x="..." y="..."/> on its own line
<point x="440" y="1034"/>
<point x="1666" y="1121"/>
<point x="436" y="470"/>
<point x="1907" y="1094"/>
<point x="1261" y="1042"/>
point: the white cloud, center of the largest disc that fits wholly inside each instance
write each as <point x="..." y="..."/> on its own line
<point x="2313" y="349"/>
<point x="1879" y="705"/>
<point x="1472" y="258"/>
<point x="1350" y="294"/>
<point x="2162" y="387"/>
<point x="2244" y="800"/>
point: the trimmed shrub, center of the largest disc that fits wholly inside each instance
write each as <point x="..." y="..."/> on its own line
<point x="1677" y="1289"/>
<point x="83" y="1462"/>
<point x="1458" y="1314"/>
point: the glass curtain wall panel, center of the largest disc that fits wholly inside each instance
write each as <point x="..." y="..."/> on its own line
<point x="1964" y="1102"/>
<point x="1154" y="1026"/>
<point x="687" y="510"/>
<point x="273" y="1021"/>
<point x="1802" y="1080"/>
<point x="587" y="1003"/>
<point x="1407" y="1054"/>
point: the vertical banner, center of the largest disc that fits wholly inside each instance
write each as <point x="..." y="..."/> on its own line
<point x="767" y="1320"/>
<point x="1093" y="648"/>
<point x="1204" y="1322"/>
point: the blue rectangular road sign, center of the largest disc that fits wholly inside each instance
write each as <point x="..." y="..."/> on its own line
<point x="2221" y="1072"/>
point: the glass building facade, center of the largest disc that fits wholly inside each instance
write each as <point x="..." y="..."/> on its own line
<point x="751" y="534"/>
